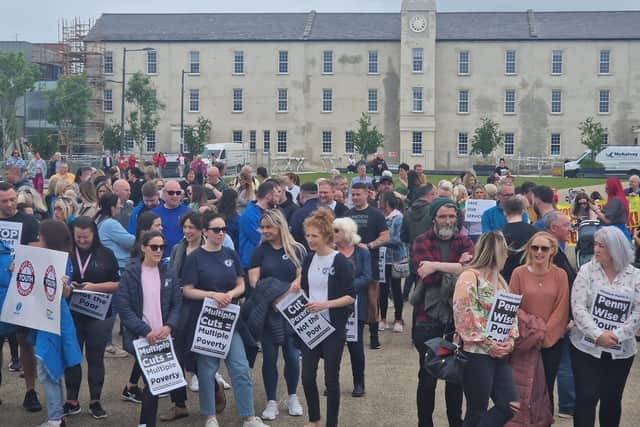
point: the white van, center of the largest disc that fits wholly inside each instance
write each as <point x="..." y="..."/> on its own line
<point x="615" y="158"/>
<point x="232" y="154"/>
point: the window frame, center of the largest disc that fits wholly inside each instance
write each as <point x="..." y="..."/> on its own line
<point x="107" y="99"/>
<point x="253" y="137"/>
<point x="194" y="66"/>
<point x="554" y="62"/>
<point x="280" y="101"/>
<point x="266" y="141"/>
<point x="417" y="141"/>
<point x="601" y="62"/>
<point x="327" y="141"/>
<point x="327" y="101"/>
<point x="463" y="102"/>
<point x="606" y="102"/>
<point x="460" y="142"/>
<point x="283" y="63"/>
<point x="237" y="132"/>
<point x="280" y="141"/>
<point x="192" y="101"/>
<point x="238" y="63"/>
<point x="373" y="64"/>
<point x="370" y="92"/>
<point x="327" y="62"/>
<point x="414" y="100"/>
<point x="508" y="102"/>
<point x="151" y="139"/>
<point x="234" y="101"/>
<point x="558" y="102"/>
<point x="152" y="64"/>
<point x="417" y="59"/>
<point x="552" y="143"/>
<point x="512" y="143"/>
<point x="348" y="142"/>
<point x="461" y="62"/>
<point x="107" y="54"/>
<point x="508" y="62"/>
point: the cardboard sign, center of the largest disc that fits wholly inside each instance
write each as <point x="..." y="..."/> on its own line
<point x="474" y="208"/>
<point x="502" y="315"/>
<point x="33" y="297"/>
<point x="352" y="324"/>
<point x="610" y="311"/>
<point x="159" y="365"/>
<point x="214" y="329"/>
<point x="312" y="328"/>
<point x="10" y="233"/>
<point x="92" y="304"/>
<point x="382" y="260"/>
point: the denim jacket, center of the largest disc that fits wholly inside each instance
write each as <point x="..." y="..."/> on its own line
<point x="396" y="249"/>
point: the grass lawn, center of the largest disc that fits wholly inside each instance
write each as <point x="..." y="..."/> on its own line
<point x="551" y="181"/>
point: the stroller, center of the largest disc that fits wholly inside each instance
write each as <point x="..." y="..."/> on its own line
<point x="584" y="246"/>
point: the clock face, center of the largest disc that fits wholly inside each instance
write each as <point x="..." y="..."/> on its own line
<point x="418" y="24"/>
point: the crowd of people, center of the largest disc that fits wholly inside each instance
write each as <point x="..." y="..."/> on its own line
<point x="162" y="246"/>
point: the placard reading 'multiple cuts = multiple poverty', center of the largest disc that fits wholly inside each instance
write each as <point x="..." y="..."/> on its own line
<point x="312" y="328"/>
<point x="214" y="329"/>
<point x="159" y="365"/>
<point x="502" y="315"/>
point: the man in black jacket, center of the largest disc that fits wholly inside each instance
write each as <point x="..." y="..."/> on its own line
<point x="309" y="202"/>
<point x="326" y="190"/>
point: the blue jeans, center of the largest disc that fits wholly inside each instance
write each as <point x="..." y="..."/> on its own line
<point x="566" y="386"/>
<point x="270" y="364"/>
<point x="239" y="372"/>
<point x="53" y="391"/>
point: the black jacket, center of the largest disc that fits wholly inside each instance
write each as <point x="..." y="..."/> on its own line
<point x="340" y="284"/>
<point x="257" y="311"/>
<point x="341" y="210"/>
<point x="416" y="221"/>
<point x="297" y="220"/>
<point x="130" y="302"/>
<point x="288" y="208"/>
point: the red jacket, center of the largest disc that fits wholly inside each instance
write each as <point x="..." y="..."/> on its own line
<point x="132" y="161"/>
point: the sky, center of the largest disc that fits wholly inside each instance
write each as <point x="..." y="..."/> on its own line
<point x="37" y="20"/>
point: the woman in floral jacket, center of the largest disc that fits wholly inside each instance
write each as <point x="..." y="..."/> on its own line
<point x="487" y="368"/>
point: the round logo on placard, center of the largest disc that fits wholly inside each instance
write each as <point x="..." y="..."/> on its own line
<point x="228" y="262"/>
<point x="50" y="283"/>
<point x="25" y="278"/>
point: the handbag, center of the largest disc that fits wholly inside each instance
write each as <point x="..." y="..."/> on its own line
<point x="444" y="360"/>
<point x="400" y="270"/>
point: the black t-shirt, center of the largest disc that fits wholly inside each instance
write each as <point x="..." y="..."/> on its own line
<point x="212" y="271"/>
<point x="102" y="267"/>
<point x="371" y="223"/>
<point x="273" y="263"/>
<point x="516" y="234"/>
<point x="30" y="227"/>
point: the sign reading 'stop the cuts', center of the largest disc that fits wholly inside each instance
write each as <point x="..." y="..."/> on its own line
<point x="33" y="297"/>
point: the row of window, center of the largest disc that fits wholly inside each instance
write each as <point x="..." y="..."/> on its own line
<point x="150" y="140"/>
<point x="509" y="97"/>
<point x="282" y="100"/>
<point x="511" y="62"/>
<point x="239" y="62"/>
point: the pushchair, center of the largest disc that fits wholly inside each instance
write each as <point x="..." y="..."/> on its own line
<point x="585" y="243"/>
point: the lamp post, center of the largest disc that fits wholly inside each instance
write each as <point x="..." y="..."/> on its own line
<point x="182" y="114"/>
<point x="124" y="66"/>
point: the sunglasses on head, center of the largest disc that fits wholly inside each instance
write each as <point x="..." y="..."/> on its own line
<point x="156" y="248"/>
<point x="174" y="192"/>
<point x="217" y="230"/>
<point x="536" y="248"/>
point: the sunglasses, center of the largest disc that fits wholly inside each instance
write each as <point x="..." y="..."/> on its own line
<point x="174" y="193"/>
<point x="335" y="230"/>
<point x="536" y="248"/>
<point x="217" y="230"/>
<point x="156" y="248"/>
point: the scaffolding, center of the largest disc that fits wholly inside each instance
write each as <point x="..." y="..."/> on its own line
<point x="77" y="58"/>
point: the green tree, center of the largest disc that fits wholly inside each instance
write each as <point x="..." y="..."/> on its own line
<point x="195" y="137"/>
<point x="69" y="106"/>
<point x="367" y="139"/>
<point x="45" y="143"/>
<point x="111" y="137"/>
<point x="592" y="135"/>
<point x="144" y="118"/>
<point x="16" y="78"/>
<point x="486" y="138"/>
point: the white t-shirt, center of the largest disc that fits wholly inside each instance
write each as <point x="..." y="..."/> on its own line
<point x="319" y="271"/>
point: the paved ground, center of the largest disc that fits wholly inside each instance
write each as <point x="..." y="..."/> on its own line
<point x="390" y="400"/>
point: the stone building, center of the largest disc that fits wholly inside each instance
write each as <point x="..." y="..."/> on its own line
<point x="295" y="84"/>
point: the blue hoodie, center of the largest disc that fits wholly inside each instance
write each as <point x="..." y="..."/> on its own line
<point x="249" y="234"/>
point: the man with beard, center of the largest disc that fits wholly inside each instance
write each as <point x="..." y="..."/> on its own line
<point x="440" y="250"/>
<point x="543" y="204"/>
<point x="150" y="200"/>
<point x="267" y="197"/>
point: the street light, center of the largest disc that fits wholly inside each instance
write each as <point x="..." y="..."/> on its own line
<point x="182" y="113"/>
<point x="124" y="62"/>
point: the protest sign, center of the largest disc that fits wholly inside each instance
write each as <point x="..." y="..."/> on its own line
<point x="352" y="324"/>
<point x="10" y="233"/>
<point x="382" y="260"/>
<point x="214" y="329"/>
<point x="159" y="365"/>
<point x="502" y="315"/>
<point x="92" y="304"/>
<point x="312" y="328"/>
<point x="474" y="208"/>
<point x="33" y="297"/>
<point x="610" y="310"/>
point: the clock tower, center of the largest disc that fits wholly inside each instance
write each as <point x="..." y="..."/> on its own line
<point x="417" y="82"/>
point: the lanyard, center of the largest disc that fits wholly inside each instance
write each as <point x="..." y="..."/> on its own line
<point x="82" y="267"/>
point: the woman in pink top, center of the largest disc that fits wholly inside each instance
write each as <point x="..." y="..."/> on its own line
<point x="545" y="294"/>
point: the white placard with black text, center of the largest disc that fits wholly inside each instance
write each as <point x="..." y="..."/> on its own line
<point x="352" y="324"/>
<point x="474" y="208"/>
<point x="11" y="233"/>
<point x="312" y="328"/>
<point x="382" y="261"/>
<point x="214" y="329"/>
<point x="89" y="303"/>
<point x="503" y="315"/>
<point x="159" y="365"/>
<point x="610" y="311"/>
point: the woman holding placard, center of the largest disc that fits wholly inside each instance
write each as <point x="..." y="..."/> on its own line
<point x="603" y="342"/>
<point x="487" y="368"/>
<point x="149" y="305"/>
<point x="95" y="269"/>
<point x="278" y="256"/>
<point x="214" y="271"/>
<point x="327" y="279"/>
<point x="545" y="294"/>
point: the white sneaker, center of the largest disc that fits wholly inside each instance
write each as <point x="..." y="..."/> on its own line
<point x="221" y="380"/>
<point x="254" y="422"/>
<point x="294" y="406"/>
<point x="50" y="423"/>
<point x="212" y="422"/>
<point x="195" y="384"/>
<point x="397" y="327"/>
<point x="271" y="411"/>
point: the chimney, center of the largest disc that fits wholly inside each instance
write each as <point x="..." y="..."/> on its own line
<point x="531" y="20"/>
<point x="308" y="25"/>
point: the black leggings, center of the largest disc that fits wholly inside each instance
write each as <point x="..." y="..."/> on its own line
<point x="331" y="350"/>
<point x="92" y="335"/>
<point x="149" y="408"/>
<point x="396" y="289"/>
<point x="136" y="373"/>
<point x="551" y="357"/>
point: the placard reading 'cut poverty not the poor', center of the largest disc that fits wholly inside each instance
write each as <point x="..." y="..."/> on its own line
<point x="312" y="328"/>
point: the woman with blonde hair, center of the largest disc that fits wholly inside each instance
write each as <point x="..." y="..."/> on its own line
<point x="545" y="294"/>
<point x="246" y="191"/>
<point x="280" y="257"/>
<point x="460" y="196"/>
<point x="346" y="240"/>
<point x="88" y="199"/>
<point x="102" y="188"/>
<point x="64" y="209"/>
<point x="487" y="368"/>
